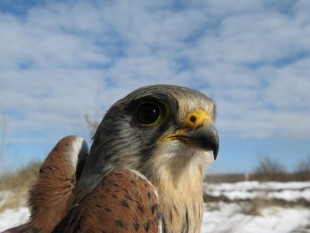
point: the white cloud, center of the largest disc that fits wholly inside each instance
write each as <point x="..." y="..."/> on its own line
<point x="60" y="61"/>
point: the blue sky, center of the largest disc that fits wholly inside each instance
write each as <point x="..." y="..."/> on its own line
<point x="61" y="60"/>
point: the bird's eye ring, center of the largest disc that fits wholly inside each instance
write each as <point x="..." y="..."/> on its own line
<point x="148" y="113"/>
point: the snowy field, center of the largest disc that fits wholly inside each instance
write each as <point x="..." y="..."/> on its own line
<point x="233" y="215"/>
<point x="248" y="190"/>
<point x="278" y="207"/>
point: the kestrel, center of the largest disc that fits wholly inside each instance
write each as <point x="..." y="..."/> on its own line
<point x="143" y="173"/>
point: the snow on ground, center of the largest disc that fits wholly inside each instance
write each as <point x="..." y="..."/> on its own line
<point x="288" y="191"/>
<point x="230" y="217"/>
<point x="227" y="219"/>
<point x="13" y="217"/>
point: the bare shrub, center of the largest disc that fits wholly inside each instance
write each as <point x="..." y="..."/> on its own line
<point x="302" y="170"/>
<point x="269" y="169"/>
<point x="227" y="178"/>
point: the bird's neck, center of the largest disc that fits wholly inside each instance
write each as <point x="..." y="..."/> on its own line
<point x="180" y="192"/>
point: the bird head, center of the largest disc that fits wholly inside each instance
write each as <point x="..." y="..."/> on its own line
<point x="154" y="128"/>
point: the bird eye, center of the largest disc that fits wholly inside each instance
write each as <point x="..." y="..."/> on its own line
<point x="148" y="113"/>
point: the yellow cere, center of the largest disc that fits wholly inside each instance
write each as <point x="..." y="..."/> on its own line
<point x="198" y="118"/>
<point x="193" y="120"/>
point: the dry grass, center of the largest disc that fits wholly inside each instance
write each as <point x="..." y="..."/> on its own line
<point x="22" y="179"/>
<point x="253" y="207"/>
<point x="14" y="186"/>
<point x="13" y="200"/>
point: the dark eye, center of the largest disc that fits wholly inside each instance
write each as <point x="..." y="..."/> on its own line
<point x="148" y="113"/>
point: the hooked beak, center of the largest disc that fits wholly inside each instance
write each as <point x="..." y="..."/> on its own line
<point x="198" y="131"/>
<point x="205" y="138"/>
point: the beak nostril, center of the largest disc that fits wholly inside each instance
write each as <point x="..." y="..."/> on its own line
<point x="197" y="119"/>
<point x="192" y="119"/>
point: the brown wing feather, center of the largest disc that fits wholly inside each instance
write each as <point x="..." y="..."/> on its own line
<point x="123" y="201"/>
<point x="48" y="198"/>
